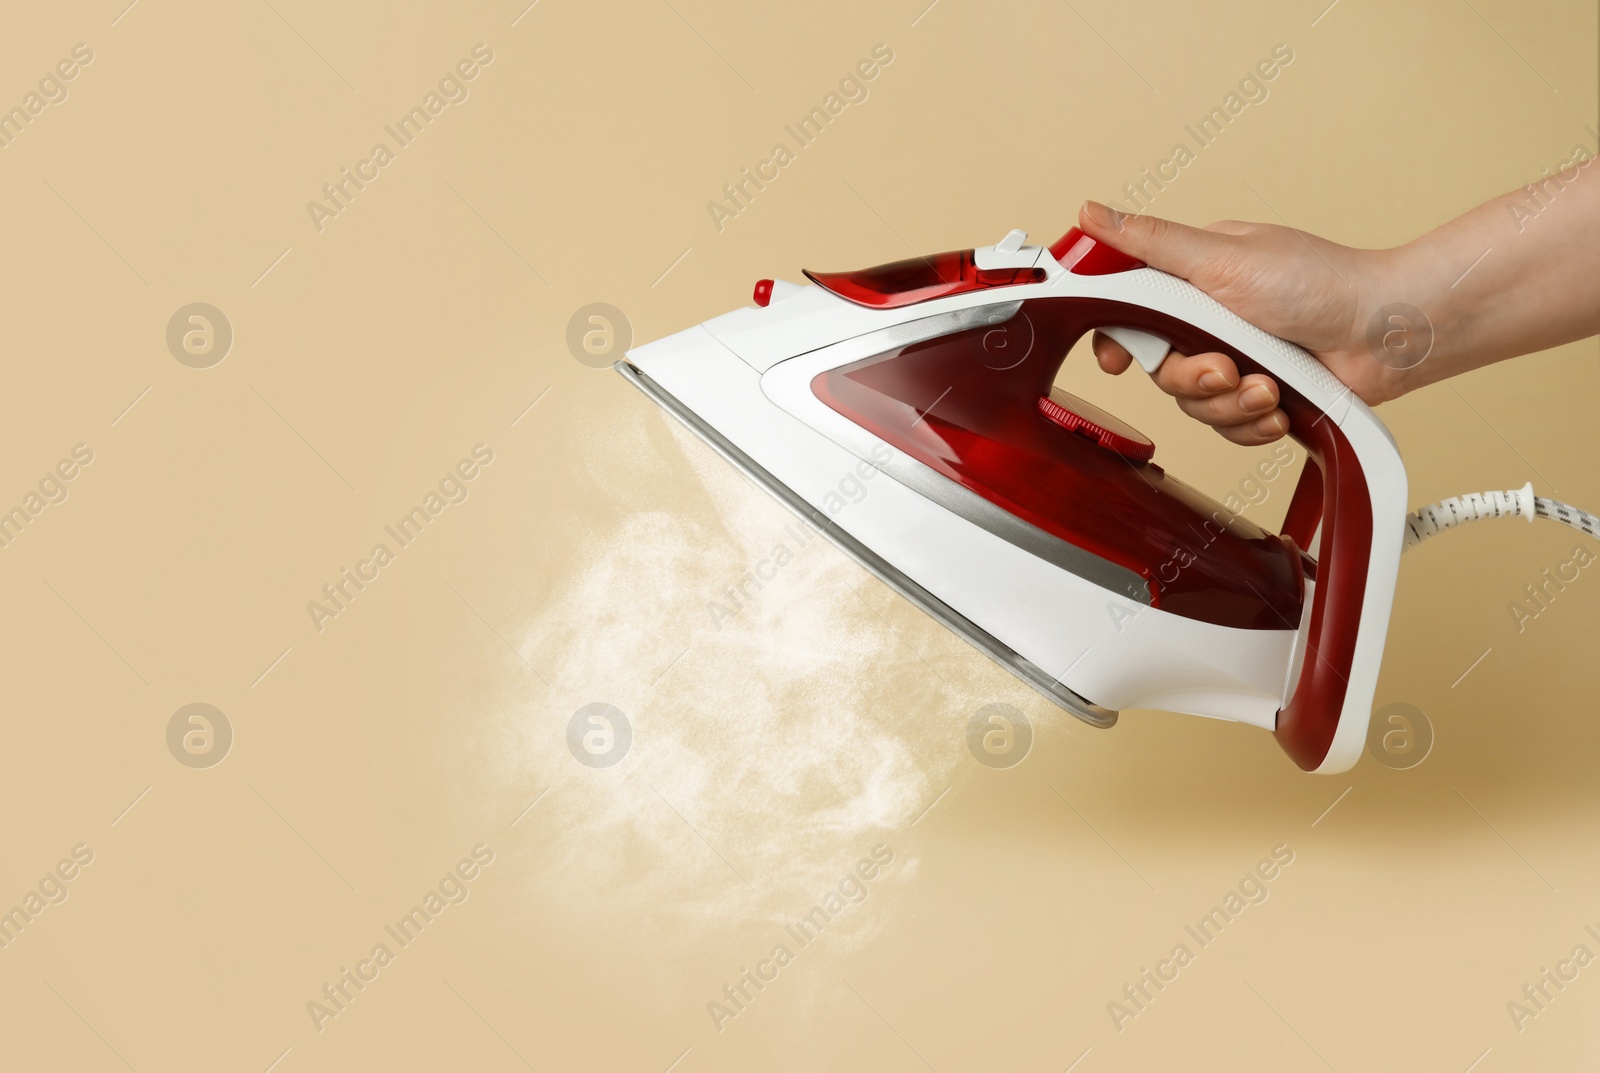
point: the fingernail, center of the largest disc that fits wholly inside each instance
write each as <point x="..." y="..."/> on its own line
<point x="1258" y="397"/>
<point x="1104" y="215"/>
<point x="1272" y="425"/>
<point x="1212" y="380"/>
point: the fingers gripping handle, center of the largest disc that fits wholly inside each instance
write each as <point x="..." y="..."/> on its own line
<point x="1289" y="364"/>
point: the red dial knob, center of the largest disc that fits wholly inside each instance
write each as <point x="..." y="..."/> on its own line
<point x="1088" y="420"/>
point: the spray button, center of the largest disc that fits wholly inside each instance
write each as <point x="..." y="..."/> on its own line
<point x="1082" y="255"/>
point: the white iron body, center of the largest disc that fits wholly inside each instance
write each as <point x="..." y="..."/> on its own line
<point x="743" y="381"/>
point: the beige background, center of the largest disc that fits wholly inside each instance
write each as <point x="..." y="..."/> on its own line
<point x="827" y="717"/>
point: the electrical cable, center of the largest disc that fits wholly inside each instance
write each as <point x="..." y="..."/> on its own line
<point x="1516" y="502"/>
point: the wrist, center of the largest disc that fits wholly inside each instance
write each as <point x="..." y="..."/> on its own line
<point x="1394" y="335"/>
<point x="1440" y="283"/>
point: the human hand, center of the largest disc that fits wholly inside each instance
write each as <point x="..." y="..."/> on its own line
<point x="1302" y="288"/>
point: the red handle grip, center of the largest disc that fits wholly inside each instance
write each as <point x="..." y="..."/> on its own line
<point x="1308" y="721"/>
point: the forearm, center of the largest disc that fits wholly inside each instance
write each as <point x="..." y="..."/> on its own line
<point x="1518" y="274"/>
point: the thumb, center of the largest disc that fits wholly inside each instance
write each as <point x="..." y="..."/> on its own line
<point x="1171" y="247"/>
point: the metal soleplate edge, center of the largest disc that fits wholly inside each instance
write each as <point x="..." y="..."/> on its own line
<point x="880" y="567"/>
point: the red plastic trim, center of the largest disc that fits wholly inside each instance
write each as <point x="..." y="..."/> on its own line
<point x="1087" y="419"/>
<point x="1080" y="254"/>
<point x="967" y="406"/>
<point x="920" y="279"/>
<point x="1305" y="507"/>
<point x="763" y="292"/>
<point x="1306" y="724"/>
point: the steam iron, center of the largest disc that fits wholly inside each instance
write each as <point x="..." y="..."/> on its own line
<point x="1039" y="527"/>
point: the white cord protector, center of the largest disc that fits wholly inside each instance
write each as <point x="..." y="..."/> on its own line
<point x="1517" y="502"/>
